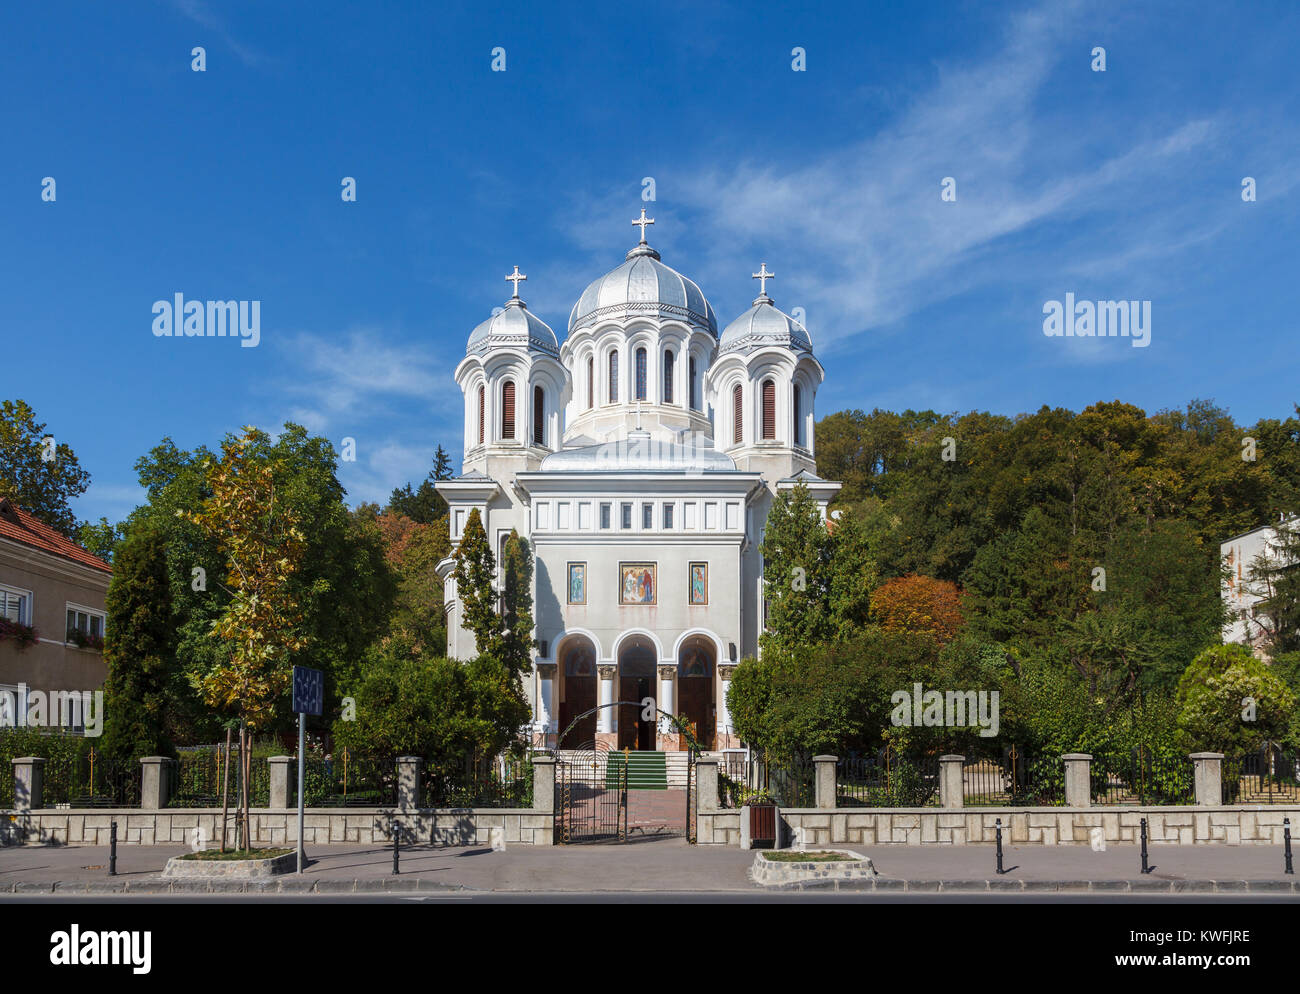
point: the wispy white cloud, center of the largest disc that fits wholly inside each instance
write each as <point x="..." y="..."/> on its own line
<point x="199" y="12"/>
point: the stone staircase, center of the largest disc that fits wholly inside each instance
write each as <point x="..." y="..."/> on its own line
<point x="646" y="770"/>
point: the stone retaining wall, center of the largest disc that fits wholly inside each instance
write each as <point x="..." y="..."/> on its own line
<point x="321" y="826"/>
<point x="1177" y="825"/>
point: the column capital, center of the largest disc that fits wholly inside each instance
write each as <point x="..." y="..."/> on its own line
<point x="726" y="670"/>
<point x="607" y="670"/>
<point x="545" y="670"/>
<point x="667" y="671"/>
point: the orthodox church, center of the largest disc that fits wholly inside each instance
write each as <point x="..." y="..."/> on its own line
<point x="639" y="460"/>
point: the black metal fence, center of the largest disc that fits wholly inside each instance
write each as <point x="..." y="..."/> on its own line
<point x="1143" y="776"/>
<point x="887" y="780"/>
<point x="483" y="782"/>
<point x="199" y="773"/>
<point x="789" y="783"/>
<point x="1269" y="774"/>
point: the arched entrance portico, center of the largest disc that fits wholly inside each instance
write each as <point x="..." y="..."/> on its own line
<point x="576" y="674"/>
<point x="637" y="657"/>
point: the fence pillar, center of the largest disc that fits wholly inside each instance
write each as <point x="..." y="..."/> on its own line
<point x="1078" y="779"/>
<point x="544" y="784"/>
<point x="706" y="785"/>
<point x="824" y="781"/>
<point x="155" y="782"/>
<point x="29" y="782"/>
<point x="1209" y="777"/>
<point x="284" y="771"/>
<point x="951" y="792"/>
<point x="408" y="781"/>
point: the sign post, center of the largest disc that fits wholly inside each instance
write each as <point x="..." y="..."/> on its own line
<point x="308" y="698"/>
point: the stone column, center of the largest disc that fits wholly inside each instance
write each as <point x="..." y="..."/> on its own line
<point x="284" y="771"/>
<point x="952" y="791"/>
<point x="706" y="786"/>
<point x="605" y="716"/>
<point x="545" y="696"/>
<point x="824" y="781"/>
<point x="667" y="697"/>
<point x="29" y="782"/>
<point x="408" y="781"/>
<point x="1078" y="779"/>
<point x="155" y="782"/>
<point x="725" y="672"/>
<point x="1209" y="778"/>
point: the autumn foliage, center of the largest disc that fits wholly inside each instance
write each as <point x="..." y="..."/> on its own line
<point x="919" y="604"/>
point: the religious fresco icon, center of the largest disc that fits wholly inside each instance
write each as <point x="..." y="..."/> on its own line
<point x="699" y="583"/>
<point x="577" y="583"/>
<point x="639" y="583"/>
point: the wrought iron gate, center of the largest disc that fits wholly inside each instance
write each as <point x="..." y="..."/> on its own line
<point x="590" y="797"/>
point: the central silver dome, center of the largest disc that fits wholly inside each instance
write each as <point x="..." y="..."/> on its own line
<point x="643" y="287"/>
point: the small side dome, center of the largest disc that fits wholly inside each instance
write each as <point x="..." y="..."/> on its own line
<point x="764" y="325"/>
<point x="514" y="326"/>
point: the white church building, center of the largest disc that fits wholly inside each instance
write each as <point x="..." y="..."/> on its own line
<point x="639" y="460"/>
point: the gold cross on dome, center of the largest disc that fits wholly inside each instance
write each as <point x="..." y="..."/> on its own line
<point x="763" y="276"/>
<point x="516" y="278"/>
<point x="643" y="221"/>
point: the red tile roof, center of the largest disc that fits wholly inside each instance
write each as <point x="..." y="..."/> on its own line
<point x="18" y="525"/>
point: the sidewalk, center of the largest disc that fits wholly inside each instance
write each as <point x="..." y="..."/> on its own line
<point x="667" y="865"/>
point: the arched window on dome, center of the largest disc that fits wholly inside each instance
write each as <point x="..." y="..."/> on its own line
<point x="539" y="416"/>
<point x="641" y="363"/>
<point x="508" y="410"/>
<point x="668" y="376"/>
<point x="591" y="383"/>
<point x="769" y="410"/>
<point x="481" y="413"/>
<point x="613" y="377"/>
<point x="798" y="415"/>
<point x="690" y="375"/>
<point x="737" y="414"/>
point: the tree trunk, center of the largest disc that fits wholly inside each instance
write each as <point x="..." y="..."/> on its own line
<point x="225" y="792"/>
<point x="248" y="792"/>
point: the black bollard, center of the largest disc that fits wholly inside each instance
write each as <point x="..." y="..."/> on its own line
<point x="1145" y="868"/>
<point x="396" y="871"/>
<point x="1286" y="838"/>
<point x="998" y="827"/>
<point x="112" y="848"/>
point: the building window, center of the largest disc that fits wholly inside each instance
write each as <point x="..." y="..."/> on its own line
<point x="769" y="409"/>
<point x="640" y="374"/>
<point x="690" y="375"/>
<point x="668" y="516"/>
<point x="647" y="516"/>
<point x="508" y="409"/>
<point x="613" y="377"/>
<point x="668" y="376"/>
<point x="604" y="515"/>
<point x="591" y="383"/>
<point x="85" y="628"/>
<point x="539" y="416"/>
<point x="798" y="415"/>
<point x="737" y="414"/>
<point x="480" y="415"/>
<point x="627" y="517"/>
<point x="16" y="606"/>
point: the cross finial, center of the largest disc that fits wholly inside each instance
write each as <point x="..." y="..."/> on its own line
<point x="763" y="276"/>
<point x="643" y="221"/>
<point x="516" y="278"/>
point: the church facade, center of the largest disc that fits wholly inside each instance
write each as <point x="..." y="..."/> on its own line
<point x="639" y="459"/>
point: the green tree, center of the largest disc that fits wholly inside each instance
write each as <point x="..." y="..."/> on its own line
<point x="516" y="643"/>
<point x="1275" y="578"/>
<point x="99" y="539"/>
<point x="138" y="653"/>
<point x="424" y="505"/>
<point x="37" y="472"/>
<point x="1230" y="702"/>
<point x="796" y="550"/>
<point x="475" y="573"/>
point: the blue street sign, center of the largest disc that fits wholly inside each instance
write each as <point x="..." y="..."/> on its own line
<point x="308" y="690"/>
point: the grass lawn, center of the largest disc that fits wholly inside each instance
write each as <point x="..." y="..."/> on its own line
<point x="217" y="854"/>
<point x="813" y="856"/>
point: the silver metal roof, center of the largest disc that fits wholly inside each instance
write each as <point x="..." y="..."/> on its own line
<point x="643" y="287"/>
<point x="637" y="452"/>
<point x="764" y="324"/>
<point x="513" y="326"/>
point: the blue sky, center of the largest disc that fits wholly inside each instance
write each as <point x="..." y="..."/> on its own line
<point x="1123" y="184"/>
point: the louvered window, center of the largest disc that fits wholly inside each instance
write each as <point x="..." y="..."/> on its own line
<point x="690" y="375"/>
<point x="539" y="416"/>
<point x="508" y="410"/>
<point x="769" y="409"/>
<point x="640" y="374"/>
<point x="737" y="415"/>
<point x="668" y="377"/>
<point x="480" y="415"/>
<point x="591" y="383"/>
<point x="613" y="377"/>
